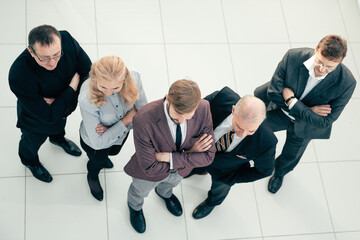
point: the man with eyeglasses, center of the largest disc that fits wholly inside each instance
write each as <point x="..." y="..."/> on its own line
<point x="46" y="79"/>
<point x="306" y="94"/>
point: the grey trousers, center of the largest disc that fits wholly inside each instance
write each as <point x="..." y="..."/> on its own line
<point x="139" y="189"/>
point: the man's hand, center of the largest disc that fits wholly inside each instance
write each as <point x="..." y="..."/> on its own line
<point x="202" y="144"/>
<point x="322" y="110"/>
<point x="127" y="119"/>
<point x="100" y="129"/>
<point x="49" y="100"/>
<point x="75" y="81"/>
<point x="163" y="157"/>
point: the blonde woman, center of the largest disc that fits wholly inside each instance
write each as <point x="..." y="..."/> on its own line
<point x="108" y="101"/>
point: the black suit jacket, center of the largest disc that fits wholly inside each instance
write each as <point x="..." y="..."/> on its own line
<point x="335" y="89"/>
<point x="234" y="167"/>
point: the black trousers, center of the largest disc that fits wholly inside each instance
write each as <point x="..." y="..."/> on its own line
<point x="98" y="158"/>
<point x="294" y="146"/>
<point x="217" y="193"/>
<point x="30" y="144"/>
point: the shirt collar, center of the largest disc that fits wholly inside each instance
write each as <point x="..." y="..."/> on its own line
<point x="309" y="64"/>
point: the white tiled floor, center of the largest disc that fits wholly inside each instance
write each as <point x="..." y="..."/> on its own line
<point x="237" y="43"/>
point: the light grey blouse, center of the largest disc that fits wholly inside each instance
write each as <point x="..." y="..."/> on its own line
<point x="109" y="115"/>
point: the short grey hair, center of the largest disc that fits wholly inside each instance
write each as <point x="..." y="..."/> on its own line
<point x="251" y="109"/>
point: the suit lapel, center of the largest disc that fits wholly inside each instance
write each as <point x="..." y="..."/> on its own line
<point x="303" y="79"/>
<point x="325" y="84"/>
<point x="164" y="128"/>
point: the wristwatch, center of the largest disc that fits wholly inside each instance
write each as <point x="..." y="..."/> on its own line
<point x="288" y="100"/>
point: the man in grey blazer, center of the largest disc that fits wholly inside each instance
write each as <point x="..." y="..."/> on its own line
<point x="306" y="94"/>
<point x="172" y="136"/>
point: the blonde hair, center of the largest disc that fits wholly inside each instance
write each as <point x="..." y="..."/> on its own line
<point x="111" y="68"/>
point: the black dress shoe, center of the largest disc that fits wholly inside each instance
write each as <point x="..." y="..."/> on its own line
<point x="109" y="163"/>
<point x="39" y="172"/>
<point x="275" y="183"/>
<point x="202" y="210"/>
<point x="137" y="220"/>
<point x="95" y="188"/>
<point x="68" y="146"/>
<point x="172" y="204"/>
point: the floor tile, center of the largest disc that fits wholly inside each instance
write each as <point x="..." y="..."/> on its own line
<point x="10" y="164"/>
<point x="343" y="194"/>
<point x="13" y="20"/>
<point x="312" y="20"/>
<point x="12" y="208"/>
<point x="339" y="147"/>
<point x="148" y="60"/>
<point x="160" y="223"/>
<point x="350" y="12"/>
<point x="187" y="22"/>
<point x="54" y="158"/>
<point x="299" y="207"/>
<point x="356" y="55"/>
<point x="128" y="21"/>
<point x="209" y="65"/>
<point x="267" y="25"/>
<point x="348" y="236"/>
<point x="255" y="64"/>
<point x="9" y="53"/>
<point x="63" y="209"/>
<point x="77" y="17"/>
<point x="329" y="236"/>
<point x="235" y="218"/>
<point x="124" y="156"/>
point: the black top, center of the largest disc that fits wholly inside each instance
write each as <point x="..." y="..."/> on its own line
<point x="31" y="83"/>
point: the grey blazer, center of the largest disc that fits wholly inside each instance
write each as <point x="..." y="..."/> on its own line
<point x="335" y="89"/>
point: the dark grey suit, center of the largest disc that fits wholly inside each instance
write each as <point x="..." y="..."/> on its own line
<point x="335" y="89"/>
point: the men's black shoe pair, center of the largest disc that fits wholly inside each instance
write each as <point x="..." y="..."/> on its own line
<point x="275" y="183"/>
<point x="202" y="210"/>
<point x="172" y="204"/>
<point x="40" y="172"/>
<point x="68" y="146"/>
<point x="95" y="188"/>
<point x="137" y="220"/>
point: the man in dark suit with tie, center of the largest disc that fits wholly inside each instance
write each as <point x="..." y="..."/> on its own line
<point x="245" y="148"/>
<point x="306" y="94"/>
<point x="172" y="136"/>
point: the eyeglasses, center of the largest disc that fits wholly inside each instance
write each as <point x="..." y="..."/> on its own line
<point x="48" y="59"/>
<point x="327" y="68"/>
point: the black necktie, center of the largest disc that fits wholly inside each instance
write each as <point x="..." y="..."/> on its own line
<point x="224" y="142"/>
<point x="178" y="137"/>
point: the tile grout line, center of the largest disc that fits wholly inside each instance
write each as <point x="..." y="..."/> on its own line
<point x="106" y="206"/>
<point x="258" y="212"/>
<point x="228" y="44"/>
<point x="183" y="201"/>
<point x="96" y="31"/>
<point x="163" y="35"/>
<point x="347" y="34"/>
<point x="25" y="183"/>
<point x="286" y="25"/>
<point x="324" y="191"/>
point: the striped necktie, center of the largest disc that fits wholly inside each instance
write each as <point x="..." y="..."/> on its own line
<point x="225" y="141"/>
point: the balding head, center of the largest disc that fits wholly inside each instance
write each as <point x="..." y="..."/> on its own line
<point x="248" y="113"/>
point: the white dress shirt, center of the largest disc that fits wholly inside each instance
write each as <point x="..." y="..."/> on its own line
<point x="172" y="127"/>
<point x="311" y="83"/>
